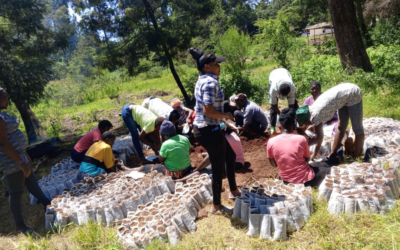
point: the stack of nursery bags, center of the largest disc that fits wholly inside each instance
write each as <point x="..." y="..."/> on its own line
<point x="62" y="176"/>
<point x="272" y="209"/>
<point x="124" y="145"/>
<point x="169" y="216"/>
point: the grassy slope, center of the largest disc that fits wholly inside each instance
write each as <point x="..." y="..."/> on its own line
<point x="363" y="231"/>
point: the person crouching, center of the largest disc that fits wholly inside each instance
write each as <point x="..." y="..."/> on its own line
<point x="175" y="152"/>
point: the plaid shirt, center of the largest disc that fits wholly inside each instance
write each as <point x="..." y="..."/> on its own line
<point x="208" y="92"/>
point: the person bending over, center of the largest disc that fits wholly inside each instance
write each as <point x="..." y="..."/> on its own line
<point x="252" y="117"/>
<point x="175" y="152"/>
<point x="99" y="158"/>
<point x="280" y="87"/>
<point x="345" y="97"/>
<point x="290" y="154"/>
<point x="230" y="105"/>
<point x="80" y="149"/>
<point x="315" y="90"/>
<point x="161" y="109"/>
<point x="137" y="117"/>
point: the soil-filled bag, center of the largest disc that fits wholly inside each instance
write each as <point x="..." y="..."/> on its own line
<point x="306" y="197"/>
<point x="280" y="229"/>
<point x="207" y="197"/>
<point x="265" y="232"/>
<point x="244" y="212"/>
<point x="163" y="187"/>
<point x="362" y="204"/>
<point x="245" y="190"/>
<point x="150" y="194"/>
<point x="132" y="203"/>
<point x="291" y="227"/>
<point x="253" y="209"/>
<point x="390" y="181"/>
<point x="144" y="198"/>
<point x="339" y="206"/>
<point x="237" y="208"/>
<point x="170" y="183"/>
<point x="60" y="188"/>
<point x="189" y="222"/>
<point x="198" y="197"/>
<point x="73" y="217"/>
<point x="191" y="208"/>
<point x="82" y="217"/>
<point x="117" y="213"/>
<point x="173" y="235"/>
<point x="109" y="216"/>
<point x="304" y="210"/>
<point x="254" y="224"/>
<point x="49" y="221"/>
<point x="177" y="219"/>
<point x="298" y="218"/>
<point x="325" y="191"/>
<point x="350" y="205"/>
<point x="264" y="209"/>
<point x="100" y="216"/>
<point x="52" y="191"/>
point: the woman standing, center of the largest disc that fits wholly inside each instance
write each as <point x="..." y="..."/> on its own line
<point x="15" y="165"/>
<point x="209" y="114"/>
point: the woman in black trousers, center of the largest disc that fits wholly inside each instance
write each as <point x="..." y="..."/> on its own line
<point x="207" y="131"/>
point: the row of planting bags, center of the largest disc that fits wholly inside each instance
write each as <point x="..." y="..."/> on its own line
<point x="148" y="208"/>
<point x="272" y="209"/>
<point x="367" y="186"/>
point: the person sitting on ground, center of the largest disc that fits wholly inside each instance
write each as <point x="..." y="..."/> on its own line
<point x="347" y="99"/>
<point x="175" y="152"/>
<point x="161" y="109"/>
<point x="99" y="158"/>
<point x="183" y="118"/>
<point x="137" y="117"/>
<point x="252" y="117"/>
<point x="230" y="105"/>
<point x="80" y="149"/>
<point x="315" y="90"/>
<point x="281" y="86"/>
<point x="290" y="154"/>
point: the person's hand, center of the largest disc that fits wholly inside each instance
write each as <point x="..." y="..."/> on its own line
<point x="229" y="116"/>
<point x="29" y="158"/>
<point x="273" y="131"/>
<point x="188" y="121"/>
<point x="26" y="168"/>
<point x="157" y="147"/>
<point x="332" y="155"/>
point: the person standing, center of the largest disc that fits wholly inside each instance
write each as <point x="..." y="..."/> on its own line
<point x="137" y="117"/>
<point x="209" y="115"/>
<point x="15" y="165"/>
<point x="281" y="86"/>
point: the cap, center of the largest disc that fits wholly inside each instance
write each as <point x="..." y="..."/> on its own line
<point x="302" y="114"/>
<point x="176" y="102"/>
<point x="167" y="128"/>
<point x="208" y="58"/>
<point x="232" y="100"/>
<point x="241" y="96"/>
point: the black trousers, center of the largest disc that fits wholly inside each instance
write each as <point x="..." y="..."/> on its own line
<point x="321" y="169"/>
<point x="254" y="125"/>
<point x="273" y="115"/>
<point x="221" y="156"/>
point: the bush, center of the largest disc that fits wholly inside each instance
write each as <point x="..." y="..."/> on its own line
<point x="239" y="82"/>
<point x="386" y="32"/>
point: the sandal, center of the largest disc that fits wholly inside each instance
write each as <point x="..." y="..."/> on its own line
<point x="224" y="209"/>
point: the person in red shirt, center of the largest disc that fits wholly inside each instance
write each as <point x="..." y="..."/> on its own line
<point x="290" y="153"/>
<point x="80" y="149"/>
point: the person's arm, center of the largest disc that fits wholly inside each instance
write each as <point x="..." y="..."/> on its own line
<point x="319" y="137"/>
<point x="210" y="111"/>
<point x="161" y="159"/>
<point x="189" y="115"/>
<point x="9" y="150"/>
<point x="273" y="162"/>
<point x="142" y="138"/>
<point x="291" y="98"/>
<point x="275" y="108"/>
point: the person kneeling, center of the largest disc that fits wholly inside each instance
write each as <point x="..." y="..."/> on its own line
<point x="175" y="152"/>
<point x="99" y="158"/>
<point x="290" y="153"/>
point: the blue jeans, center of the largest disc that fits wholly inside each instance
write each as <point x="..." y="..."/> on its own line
<point x="133" y="128"/>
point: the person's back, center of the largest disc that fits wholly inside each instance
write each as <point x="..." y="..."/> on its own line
<point x="254" y="112"/>
<point x="176" y="151"/>
<point x="157" y="107"/>
<point x="97" y="159"/>
<point x="87" y="140"/>
<point x="289" y="152"/>
<point x="144" y="117"/>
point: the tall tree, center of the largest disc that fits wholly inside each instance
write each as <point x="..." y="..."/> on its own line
<point x="26" y="46"/>
<point x="361" y="22"/>
<point x="134" y="28"/>
<point x="348" y="36"/>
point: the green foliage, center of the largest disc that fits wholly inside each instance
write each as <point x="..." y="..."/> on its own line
<point x="95" y="236"/>
<point x="235" y="47"/>
<point x="386" y="32"/>
<point x="278" y="37"/>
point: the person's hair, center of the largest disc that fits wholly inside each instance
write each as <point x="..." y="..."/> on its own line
<point x="105" y="124"/>
<point x="108" y="135"/>
<point x="174" y="116"/>
<point x="196" y="54"/>
<point x="159" y="121"/>
<point x="287" y="118"/>
<point x="315" y="83"/>
<point x="284" y="89"/>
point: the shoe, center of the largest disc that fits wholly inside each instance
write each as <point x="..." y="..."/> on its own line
<point x="224" y="209"/>
<point x="234" y="196"/>
<point x="26" y="230"/>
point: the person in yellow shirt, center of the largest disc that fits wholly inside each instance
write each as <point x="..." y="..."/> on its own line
<point x="99" y="158"/>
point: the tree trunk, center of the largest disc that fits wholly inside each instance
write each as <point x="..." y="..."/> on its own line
<point x="361" y="22"/>
<point x="348" y="36"/>
<point x="34" y="129"/>
<point x="167" y="54"/>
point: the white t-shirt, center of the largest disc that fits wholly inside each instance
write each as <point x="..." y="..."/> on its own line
<point x="276" y="79"/>
<point x="158" y="107"/>
<point x="344" y="94"/>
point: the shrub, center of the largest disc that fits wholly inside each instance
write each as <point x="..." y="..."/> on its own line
<point x="386" y="32"/>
